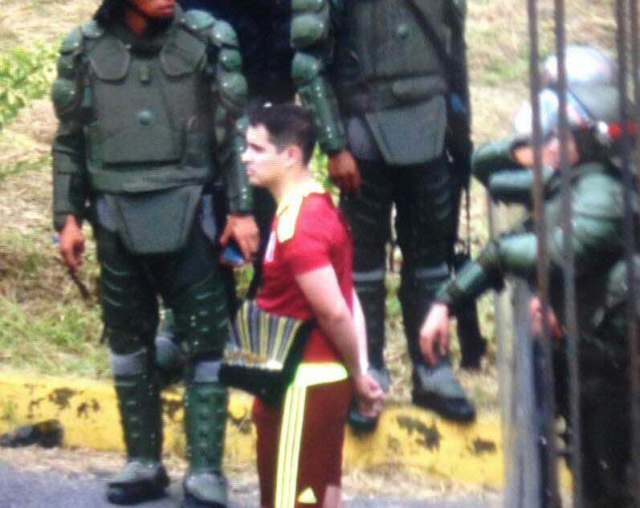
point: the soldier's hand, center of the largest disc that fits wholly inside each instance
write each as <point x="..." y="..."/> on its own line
<point x="242" y="229"/>
<point x="369" y="395"/>
<point x="434" y="334"/>
<point x="71" y="246"/>
<point x="343" y="171"/>
<point x="537" y="320"/>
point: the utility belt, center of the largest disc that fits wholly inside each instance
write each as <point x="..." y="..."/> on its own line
<point x="358" y="99"/>
<point x="138" y="180"/>
<point x="263" y="351"/>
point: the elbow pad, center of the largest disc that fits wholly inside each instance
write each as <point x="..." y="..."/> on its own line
<point x="231" y="84"/>
<point x="66" y="91"/>
<point x="310" y="24"/>
<point x="317" y="95"/>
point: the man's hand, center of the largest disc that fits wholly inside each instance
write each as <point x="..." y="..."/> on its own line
<point x="434" y="334"/>
<point x="551" y="153"/>
<point x="242" y="229"/>
<point x="71" y="246"/>
<point x="369" y="395"/>
<point x="343" y="171"/>
<point x="537" y="320"/>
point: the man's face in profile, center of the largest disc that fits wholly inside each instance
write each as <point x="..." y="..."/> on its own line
<point x="265" y="163"/>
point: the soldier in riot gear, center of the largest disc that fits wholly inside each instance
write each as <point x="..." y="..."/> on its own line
<point x="263" y="36"/>
<point x="376" y="76"/>
<point x="594" y="145"/>
<point x="149" y="99"/>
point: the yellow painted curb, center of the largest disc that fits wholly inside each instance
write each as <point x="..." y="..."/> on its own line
<point x="405" y="437"/>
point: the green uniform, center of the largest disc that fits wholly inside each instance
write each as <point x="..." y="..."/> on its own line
<point x="377" y="85"/>
<point x="149" y="131"/>
<point x="597" y="200"/>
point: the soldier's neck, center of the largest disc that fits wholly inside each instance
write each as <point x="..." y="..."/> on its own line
<point x="136" y="22"/>
<point x="298" y="176"/>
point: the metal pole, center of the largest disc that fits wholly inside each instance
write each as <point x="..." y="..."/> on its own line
<point x="568" y="269"/>
<point x="634" y="339"/>
<point x="550" y="497"/>
<point x="624" y="12"/>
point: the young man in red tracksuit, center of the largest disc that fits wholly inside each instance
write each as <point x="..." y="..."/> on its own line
<point x="307" y="275"/>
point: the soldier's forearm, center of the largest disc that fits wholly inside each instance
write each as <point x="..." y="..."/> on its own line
<point x="239" y="193"/>
<point x="312" y="37"/>
<point x="492" y="157"/>
<point x="317" y="94"/>
<point x="515" y="185"/>
<point x="69" y="198"/>
<point x="509" y="255"/>
<point x="69" y="179"/>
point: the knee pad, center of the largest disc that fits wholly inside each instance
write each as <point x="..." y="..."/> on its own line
<point x="129" y="364"/>
<point x="124" y="342"/>
<point x="204" y="370"/>
<point x="202" y="318"/>
<point x="420" y="282"/>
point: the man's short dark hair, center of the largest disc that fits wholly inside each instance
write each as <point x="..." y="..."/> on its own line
<point x="286" y="124"/>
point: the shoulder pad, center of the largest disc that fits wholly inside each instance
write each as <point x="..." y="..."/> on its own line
<point x="308" y="29"/>
<point x="597" y="193"/>
<point x="197" y="20"/>
<point x="230" y="59"/>
<point x="307" y="5"/>
<point x="92" y="30"/>
<point x="72" y="42"/>
<point x="223" y="34"/>
<point x="233" y="90"/>
<point x="305" y="67"/>
<point x="65" y="97"/>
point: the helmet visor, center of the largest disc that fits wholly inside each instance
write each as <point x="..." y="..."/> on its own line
<point x="549" y="102"/>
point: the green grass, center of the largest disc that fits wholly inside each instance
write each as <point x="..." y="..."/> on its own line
<point x="59" y="340"/>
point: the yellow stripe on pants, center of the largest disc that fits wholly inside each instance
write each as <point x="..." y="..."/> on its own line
<point x="292" y="422"/>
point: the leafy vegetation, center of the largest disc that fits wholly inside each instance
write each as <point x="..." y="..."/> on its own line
<point x="25" y="75"/>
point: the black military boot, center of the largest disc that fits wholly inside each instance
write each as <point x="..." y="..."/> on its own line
<point x="473" y="345"/>
<point x="169" y="358"/>
<point x="372" y="298"/>
<point x="437" y="388"/>
<point x="205" y="417"/>
<point x="143" y="478"/>
<point x="434" y="387"/>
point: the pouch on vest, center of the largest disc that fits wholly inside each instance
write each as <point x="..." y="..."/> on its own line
<point x="412" y="133"/>
<point x="155" y="222"/>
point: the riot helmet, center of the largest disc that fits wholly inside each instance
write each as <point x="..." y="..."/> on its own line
<point x="593" y="104"/>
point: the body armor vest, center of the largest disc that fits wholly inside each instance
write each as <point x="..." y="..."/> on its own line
<point x="151" y="113"/>
<point x="385" y="44"/>
<point x="387" y="69"/>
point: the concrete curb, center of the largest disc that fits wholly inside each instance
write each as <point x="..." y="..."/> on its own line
<point x="406" y="437"/>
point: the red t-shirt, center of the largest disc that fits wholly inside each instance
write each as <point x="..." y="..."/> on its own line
<point x="321" y="238"/>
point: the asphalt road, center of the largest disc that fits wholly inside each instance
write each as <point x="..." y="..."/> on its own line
<point x="37" y="481"/>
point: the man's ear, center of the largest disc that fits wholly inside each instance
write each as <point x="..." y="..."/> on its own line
<point x="294" y="154"/>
